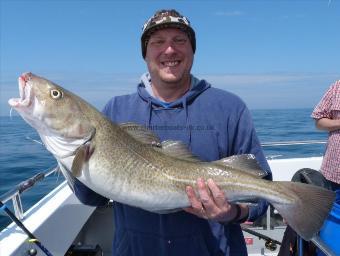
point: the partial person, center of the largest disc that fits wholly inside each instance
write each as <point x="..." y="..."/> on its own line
<point x="213" y="123"/>
<point x="327" y="117"/>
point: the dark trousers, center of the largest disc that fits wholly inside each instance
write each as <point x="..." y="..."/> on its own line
<point x="334" y="186"/>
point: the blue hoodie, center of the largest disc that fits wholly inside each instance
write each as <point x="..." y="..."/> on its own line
<point x="214" y="124"/>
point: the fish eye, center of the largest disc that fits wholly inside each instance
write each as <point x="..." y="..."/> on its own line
<point x="56" y="94"/>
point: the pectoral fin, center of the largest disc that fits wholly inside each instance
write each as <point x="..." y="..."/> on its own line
<point x="82" y="156"/>
<point x="67" y="174"/>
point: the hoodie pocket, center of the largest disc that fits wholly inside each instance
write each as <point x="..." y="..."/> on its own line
<point x="133" y="243"/>
<point x="205" y="143"/>
<point x="121" y="244"/>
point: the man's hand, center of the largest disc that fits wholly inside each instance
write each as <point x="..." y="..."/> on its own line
<point x="211" y="203"/>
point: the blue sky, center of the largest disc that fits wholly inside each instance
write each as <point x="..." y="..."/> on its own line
<point x="273" y="54"/>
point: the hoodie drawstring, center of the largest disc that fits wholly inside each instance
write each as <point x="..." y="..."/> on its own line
<point x="150" y="113"/>
<point x="187" y="122"/>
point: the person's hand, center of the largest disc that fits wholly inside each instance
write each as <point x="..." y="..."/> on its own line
<point x="211" y="202"/>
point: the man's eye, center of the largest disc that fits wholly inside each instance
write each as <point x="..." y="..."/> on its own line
<point x="157" y="42"/>
<point x="180" y="40"/>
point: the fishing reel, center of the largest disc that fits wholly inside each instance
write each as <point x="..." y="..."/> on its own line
<point x="270" y="245"/>
<point x="32" y="252"/>
<point x="30" y="249"/>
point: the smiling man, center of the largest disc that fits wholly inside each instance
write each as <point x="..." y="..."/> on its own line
<point x="212" y="123"/>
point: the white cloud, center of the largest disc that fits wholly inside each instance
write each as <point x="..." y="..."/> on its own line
<point x="256" y="79"/>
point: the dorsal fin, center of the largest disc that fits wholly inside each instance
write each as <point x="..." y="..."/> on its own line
<point x="177" y="149"/>
<point x="141" y="133"/>
<point x="246" y="163"/>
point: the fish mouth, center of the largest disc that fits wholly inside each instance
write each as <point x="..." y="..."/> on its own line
<point x="25" y="88"/>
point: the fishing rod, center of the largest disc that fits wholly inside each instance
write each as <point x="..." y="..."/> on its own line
<point x="22" y="226"/>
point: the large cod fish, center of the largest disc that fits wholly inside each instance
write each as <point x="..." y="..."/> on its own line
<point x="127" y="163"/>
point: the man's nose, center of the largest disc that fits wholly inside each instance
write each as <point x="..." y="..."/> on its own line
<point x="169" y="48"/>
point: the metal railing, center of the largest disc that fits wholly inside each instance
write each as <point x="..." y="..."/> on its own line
<point x="292" y="142"/>
<point x="14" y="193"/>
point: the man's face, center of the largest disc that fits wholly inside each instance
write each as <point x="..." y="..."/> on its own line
<point x="169" y="55"/>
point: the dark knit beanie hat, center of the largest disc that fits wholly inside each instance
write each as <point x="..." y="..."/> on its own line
<point x="166" y="19"/>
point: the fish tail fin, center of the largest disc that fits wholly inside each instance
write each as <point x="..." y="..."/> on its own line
<point x="309" y="209"/>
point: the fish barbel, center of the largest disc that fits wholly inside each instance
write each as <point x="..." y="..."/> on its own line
<point x="127" y="163"/>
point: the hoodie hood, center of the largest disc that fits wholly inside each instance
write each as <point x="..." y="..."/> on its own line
<point x="145" y="92"/>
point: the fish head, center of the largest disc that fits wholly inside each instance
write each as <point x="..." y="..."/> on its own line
<point x="50" y="109"/>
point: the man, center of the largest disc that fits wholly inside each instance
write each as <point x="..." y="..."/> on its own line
<point x="213" y="123"/>
<point x="327" y="117"/>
